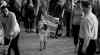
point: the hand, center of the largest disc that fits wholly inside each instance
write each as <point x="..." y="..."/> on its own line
<point x="7" y="36"/>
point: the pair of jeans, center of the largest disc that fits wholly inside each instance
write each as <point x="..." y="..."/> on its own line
<point x="14" y="46"/>
<point x="75" y="33"/>
<point x="91" y="49"/>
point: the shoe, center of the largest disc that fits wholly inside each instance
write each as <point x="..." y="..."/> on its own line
<point x="40" y="49"/>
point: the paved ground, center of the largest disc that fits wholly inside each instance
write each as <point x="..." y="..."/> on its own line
<point x="29" y="45"/>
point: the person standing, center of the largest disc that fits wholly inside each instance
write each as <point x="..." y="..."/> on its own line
<point x="43" y="33"/>
<point x="88" y="30"/>
<point x="67" y="17"/>
<point x="77" y="14"/>
<point x="29" y="16"/>
<point x="11" y="28"/>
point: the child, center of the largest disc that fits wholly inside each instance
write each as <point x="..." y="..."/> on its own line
<point x="43" y="33"/>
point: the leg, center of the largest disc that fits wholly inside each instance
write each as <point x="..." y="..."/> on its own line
<point x="57" y="31"/>
<point x="41" y="45"/>
<point x="67" y="17"/>
<point x="35" y="24"/>
<point x="91" y="49"/>
<point x="37" y="21"/>
<point x="80" y="47"/>
<point x="75" y="34"/>
<point x="38" y="18"/>
<point x="45" y="42"/>
<point x="41" y="42"/>
<point x="9" y="49"/>
<point x="67" y="29"/>
<point x="6" y="42"/>
<point x="14" y="45"/>
<point x="26" y="23"/>
<point x="98" y="45"/>
<point x="31" y="26"/>
<point x="31" y="23"/>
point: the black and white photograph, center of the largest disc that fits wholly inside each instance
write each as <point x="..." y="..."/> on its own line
<point x="49" y="27"/>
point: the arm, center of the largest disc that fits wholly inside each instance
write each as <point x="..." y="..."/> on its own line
<point x="14" y="26"/>
<point x="63" y="13"/>
<point x="37" y="7"/>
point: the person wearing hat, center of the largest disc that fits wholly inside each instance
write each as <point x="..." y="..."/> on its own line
<point x="11" y="28"/>
<point x="88" y="30"/>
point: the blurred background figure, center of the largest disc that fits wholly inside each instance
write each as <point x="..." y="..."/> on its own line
<point x="29" y="15"/>
<point x="60" y="9"/>
<point x="76" y="18"/>
<point x="67" y="17"/>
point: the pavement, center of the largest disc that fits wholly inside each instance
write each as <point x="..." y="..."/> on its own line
<point x="29" y="45"/>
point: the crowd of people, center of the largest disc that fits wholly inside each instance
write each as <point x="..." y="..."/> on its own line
<point x="79" y="16"/>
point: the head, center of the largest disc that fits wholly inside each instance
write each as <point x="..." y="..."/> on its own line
<point x="86" y="7"/>
<point x="3" y="7"/>
<point x="78" y="4"/>
<point x="4" y="10"/>
<point x="43" y="25"/>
